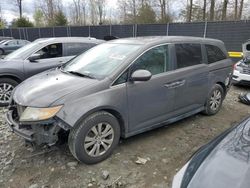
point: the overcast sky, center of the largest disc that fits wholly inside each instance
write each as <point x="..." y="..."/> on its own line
<point x="9" y="11"/>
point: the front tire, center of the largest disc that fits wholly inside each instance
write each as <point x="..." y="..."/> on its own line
<point x="214" y="101"/>
<point x="94" y="138"/>
<point x="6" y="87"/>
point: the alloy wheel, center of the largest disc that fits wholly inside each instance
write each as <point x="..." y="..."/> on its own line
<point x="215" y="100"/>
<point x="99" y="139"/>
<point x="5" y="92"/>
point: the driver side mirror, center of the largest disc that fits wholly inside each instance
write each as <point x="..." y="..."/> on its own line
<point x="34" y="57"/>
<point x="141" y="75"/>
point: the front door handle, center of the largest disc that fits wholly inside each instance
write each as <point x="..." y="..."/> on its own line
<point x="176" y="84"/>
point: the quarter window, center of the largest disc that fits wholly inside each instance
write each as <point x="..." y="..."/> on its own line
<point x="122" y="79"/>
<point x="154" y="60"/>
<point x="214" y="54"/>
<point x="188" y="55"/>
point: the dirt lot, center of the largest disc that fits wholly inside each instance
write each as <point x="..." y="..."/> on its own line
<point x="165" y="149"/>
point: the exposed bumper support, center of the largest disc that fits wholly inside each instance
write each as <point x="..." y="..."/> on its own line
<point x="25" y="133"/>
<point x="38" y="133"/>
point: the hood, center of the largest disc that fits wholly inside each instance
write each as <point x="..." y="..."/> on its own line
<point x="45" y="88"/>
<point x="9" y="60"/>
<point x="228" y="165"/>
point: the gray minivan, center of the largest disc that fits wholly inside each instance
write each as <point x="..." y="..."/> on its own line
<point x="119" y="89"/>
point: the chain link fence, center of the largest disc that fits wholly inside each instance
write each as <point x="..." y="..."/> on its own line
<point x="232" y="33"/>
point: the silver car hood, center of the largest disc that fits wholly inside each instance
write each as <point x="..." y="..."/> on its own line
<point x="228" y="165"/>
<point x="45" y="88"/>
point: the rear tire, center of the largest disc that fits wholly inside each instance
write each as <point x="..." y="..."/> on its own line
<point x="6" y="87"/>
<point x="214" y="100"/>
<point x="94" y="138"/>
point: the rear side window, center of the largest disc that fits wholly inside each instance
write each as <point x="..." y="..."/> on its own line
<point x="21" y="42"/>
<point x="12" y="43"/>
<point x="214" y="54"/>
<point x="188" y="55"/>
<point x="72" y="49"/>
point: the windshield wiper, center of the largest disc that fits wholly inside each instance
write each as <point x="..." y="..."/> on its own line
<point x="81" y="74"/>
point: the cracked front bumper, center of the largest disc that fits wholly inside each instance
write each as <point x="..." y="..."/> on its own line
<point x="14" y="126"/>
<point x="38" y="133"/>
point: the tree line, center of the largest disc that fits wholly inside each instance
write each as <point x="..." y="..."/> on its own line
<point x="99" y="12"/>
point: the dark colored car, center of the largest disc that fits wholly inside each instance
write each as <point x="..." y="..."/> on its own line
<point x="119" y="89"/>
<point x="223" y="162"/>
<point x="38" y="56"/>
<point x="9" y="46"/>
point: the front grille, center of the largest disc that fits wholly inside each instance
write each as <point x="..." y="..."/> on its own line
<point x="246" y="70"/>
<point x="17" y="109"/>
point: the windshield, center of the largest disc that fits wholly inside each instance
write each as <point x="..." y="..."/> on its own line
<point x="20" y="53"/>
<point x="101" y="60"/>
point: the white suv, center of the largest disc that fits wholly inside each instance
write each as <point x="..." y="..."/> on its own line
<point x="241" y="74"/>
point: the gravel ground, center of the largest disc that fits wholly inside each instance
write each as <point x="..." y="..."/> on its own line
<point x="163" y="151"/>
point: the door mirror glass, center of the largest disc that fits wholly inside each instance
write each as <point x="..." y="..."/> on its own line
<point x="34" y="57"/>
<point x="141" y="75"/>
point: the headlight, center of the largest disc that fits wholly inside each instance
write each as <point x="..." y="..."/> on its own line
<point x="38" y="114"/>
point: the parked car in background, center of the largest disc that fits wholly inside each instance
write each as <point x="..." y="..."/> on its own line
<point x="241" y="74"/>
<point x="246" y="48"/>
<point x="223" y="162"/>
<point x="5" y="38"/>
<point x="8" y="46"/>
<point x="36" y="57"/>
<point x="119" y="89"/>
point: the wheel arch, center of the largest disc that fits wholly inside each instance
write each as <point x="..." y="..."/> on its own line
<point x="17" y="79"/>
<point x="224" y="88"/>
<point x="112" y="111"/>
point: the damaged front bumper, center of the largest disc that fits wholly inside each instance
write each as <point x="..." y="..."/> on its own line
<point x="42" y="132"/>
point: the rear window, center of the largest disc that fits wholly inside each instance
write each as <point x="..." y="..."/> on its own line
<point x="22" y="42"/>
<point x="214" y="54"/>
<point x="72" y="49"/>
<point x="188" y="55"/>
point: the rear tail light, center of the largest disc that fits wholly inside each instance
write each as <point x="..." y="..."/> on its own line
<point x="237" y="67"/>
<point x="234" y="66"/>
